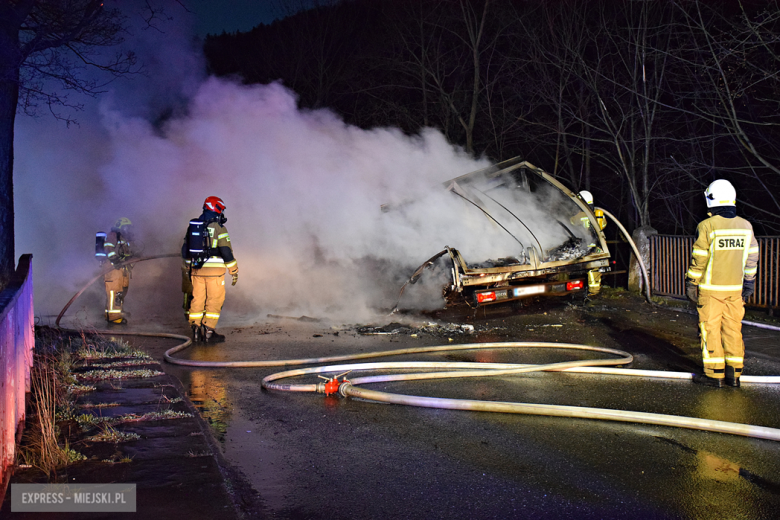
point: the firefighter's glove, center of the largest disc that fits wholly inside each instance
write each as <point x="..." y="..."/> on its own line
<point x="235" y="279"/>
<point x="692" y="291"/>
<point x="747" y="289"/>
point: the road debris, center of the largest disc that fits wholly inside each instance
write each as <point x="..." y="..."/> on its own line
<point x="430" y="328"/>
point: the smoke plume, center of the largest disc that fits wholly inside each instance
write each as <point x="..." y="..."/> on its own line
<point x="303" y="189"/>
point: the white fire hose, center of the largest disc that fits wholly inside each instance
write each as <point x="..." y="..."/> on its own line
<point x="464" y="369"/>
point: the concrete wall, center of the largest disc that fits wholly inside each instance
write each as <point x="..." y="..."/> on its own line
<point x="17" y="339"/>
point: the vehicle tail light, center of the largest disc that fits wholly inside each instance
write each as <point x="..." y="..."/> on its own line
<point x="486" y="297"/>
<point x="574" y="285"/>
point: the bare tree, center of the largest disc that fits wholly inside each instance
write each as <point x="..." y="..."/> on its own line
<point x="445" y="54"/>
<point x="642" y="102"/>
<point x="735" y="56"/>
<point x="316" y="60"/>
<point x="548" y="72"/>
<point x="630" y="123"/>
<point x="46" y="46"/>
<point x="602" y="75"/>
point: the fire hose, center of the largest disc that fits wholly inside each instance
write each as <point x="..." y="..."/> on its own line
<point x="450" y="370"/>
<point x="348" y="388"/>
<point x="103" y="272"/>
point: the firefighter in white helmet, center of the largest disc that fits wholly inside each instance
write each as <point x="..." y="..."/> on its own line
<point x="720" y="279"/>
<point x="207" y="269"/>
<point x="118" y="250"/>
<point x="581" y="218"/>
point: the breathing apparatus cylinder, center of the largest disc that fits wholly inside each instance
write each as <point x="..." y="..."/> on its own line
<point x="100" y="246"/>
<point x="197" y="242"/>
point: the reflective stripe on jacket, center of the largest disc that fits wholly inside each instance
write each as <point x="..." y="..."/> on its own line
<point x="724" y="256"/>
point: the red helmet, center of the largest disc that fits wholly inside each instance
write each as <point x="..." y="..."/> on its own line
<point x="214" y="204"/>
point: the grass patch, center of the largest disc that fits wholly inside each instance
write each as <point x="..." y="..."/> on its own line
<point x="195" y="454"/>
<point x="111" y="374"/>
<point x="98" y="347"/>
<point x="153" y="416"/>
<point x="109" y="433"/>
<point x="118" y="459"/>
<point x="55" y="386"/>
<point x="98" y="405"/>
<point x="40" y="446"/>
<point x="75" y="389"/>
<point x="125" y="363"/>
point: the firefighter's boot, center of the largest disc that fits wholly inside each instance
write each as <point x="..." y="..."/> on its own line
<point x="732" y="377"/>
<point x="197" y="333"/>
<point x="212" y="336"/>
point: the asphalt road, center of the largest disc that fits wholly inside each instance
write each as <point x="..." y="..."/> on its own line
<point x="310" y="456"/>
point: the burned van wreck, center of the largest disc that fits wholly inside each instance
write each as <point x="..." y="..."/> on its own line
<point x="548" y="237"/>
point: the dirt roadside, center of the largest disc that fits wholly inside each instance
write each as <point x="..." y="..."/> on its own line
<point x="153" y="436"/>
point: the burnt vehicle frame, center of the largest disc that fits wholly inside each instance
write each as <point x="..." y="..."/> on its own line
<point x="538" y="271"/>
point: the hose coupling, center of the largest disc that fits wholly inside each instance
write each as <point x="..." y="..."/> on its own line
<point x="345" y="385"/>
<point x="332" y="385"/>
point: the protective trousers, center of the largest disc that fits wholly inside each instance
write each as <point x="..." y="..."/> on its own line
<point x="720" y="326"/>
<point x="186" y="289"/>
<point x="208" y="296"/>
<point x="117" y="284"/>
<point x="594" y="282"/>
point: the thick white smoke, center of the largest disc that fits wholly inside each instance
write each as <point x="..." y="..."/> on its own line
<point x="303" y="193"/>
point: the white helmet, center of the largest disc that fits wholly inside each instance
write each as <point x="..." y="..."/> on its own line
<point x="586" y="196"/>
<point x="721" y="193"/>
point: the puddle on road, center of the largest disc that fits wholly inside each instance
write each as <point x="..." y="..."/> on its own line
<point x="208" y="393"/>
<point x="709" y="466"/>
<point x="259" y="459"/>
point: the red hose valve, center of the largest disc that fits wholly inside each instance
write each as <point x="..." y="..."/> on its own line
<point x="333" y="384"/>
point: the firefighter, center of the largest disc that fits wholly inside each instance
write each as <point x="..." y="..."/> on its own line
<point x="118" y="250"/>
<point x="208" y="280"/>
<point x="594" y="275"/>
<point x="719" y="281"/>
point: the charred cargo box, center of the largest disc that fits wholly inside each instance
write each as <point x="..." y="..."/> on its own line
<point x="551" y="237"/>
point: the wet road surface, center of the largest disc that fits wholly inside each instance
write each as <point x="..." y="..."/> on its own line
<point x="311" y="456"/>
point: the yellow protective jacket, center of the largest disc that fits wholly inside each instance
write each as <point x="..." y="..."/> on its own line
<point x="724" y="256"/>
<point x="221" y="257"/>
<point x="116" y="247"/>
<point x="582" y="218"/>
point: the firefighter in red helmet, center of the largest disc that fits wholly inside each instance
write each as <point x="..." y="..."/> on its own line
<point x="207" y="252"/>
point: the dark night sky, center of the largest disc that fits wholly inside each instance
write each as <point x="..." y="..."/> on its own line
<point x="214" y="16"/>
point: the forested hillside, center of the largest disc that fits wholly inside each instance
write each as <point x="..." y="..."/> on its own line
<point x="644" y="103"/>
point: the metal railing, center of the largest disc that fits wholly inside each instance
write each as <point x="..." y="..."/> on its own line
<point x="670" y="257"/>
<point x="17" y="339"/>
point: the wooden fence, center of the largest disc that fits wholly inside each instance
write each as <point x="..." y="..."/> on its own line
<point x="670" y="257"/>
